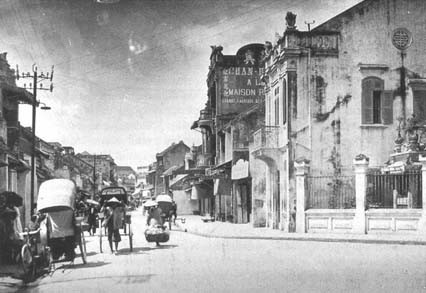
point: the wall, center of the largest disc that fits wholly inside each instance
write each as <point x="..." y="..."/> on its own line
<point x="185" y="206"/>
<point x="257" y="173"/>
<point x="343" y="76"/>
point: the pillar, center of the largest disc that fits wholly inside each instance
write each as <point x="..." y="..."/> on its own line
<point x="361" y="167"/>
<point x="302" y="169"/>
<point x="422" y="222"/>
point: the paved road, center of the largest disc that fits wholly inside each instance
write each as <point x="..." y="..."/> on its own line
<point x="189" y="263"/>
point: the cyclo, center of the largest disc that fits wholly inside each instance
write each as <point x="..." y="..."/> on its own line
<point x="60" y="230"/>
<point x="120" y="194"/>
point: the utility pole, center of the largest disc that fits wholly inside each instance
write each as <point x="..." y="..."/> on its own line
<point x="94" y="176"/>
<point x="35" y="86"/>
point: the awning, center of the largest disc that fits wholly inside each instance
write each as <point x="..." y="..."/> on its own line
<point x="19" y="164"/>
<point x="137" y="191"/>
<point x="177" y="179"/>
<point x="223" y="165"/>
<point x="170" y="171"/>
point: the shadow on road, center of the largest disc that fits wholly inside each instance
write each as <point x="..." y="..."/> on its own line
<point x="81" y="265"/>
<point x="126" y="251"/>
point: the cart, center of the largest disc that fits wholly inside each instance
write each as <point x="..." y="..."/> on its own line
<point x="168" y="208"/>
<point x="60" y="230"/>
<point x="120" y="194"/>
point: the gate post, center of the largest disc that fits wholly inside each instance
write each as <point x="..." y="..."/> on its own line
<point x="302" y="169"/>
<point x="361" y="165"/>
<point x="422" y="222"/>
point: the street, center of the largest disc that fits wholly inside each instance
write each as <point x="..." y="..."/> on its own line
<point x="190" y="263"/>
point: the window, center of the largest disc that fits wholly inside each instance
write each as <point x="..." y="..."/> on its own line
<point x="284" y="102"/>
<point x="277" y="105"/>
<point x="377" y="104"/>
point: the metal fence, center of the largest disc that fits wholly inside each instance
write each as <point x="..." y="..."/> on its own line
<point x="394" y="190"/>
<point x="331" y="192"/>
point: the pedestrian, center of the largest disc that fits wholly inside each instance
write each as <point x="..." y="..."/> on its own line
<point x="154" y="216"/>
<point x="113" y="222"/>
<point x="91" y="220"/>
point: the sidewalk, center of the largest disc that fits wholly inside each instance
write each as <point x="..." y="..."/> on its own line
<point x="195" y="225"/>
<point x="10" y="277"/>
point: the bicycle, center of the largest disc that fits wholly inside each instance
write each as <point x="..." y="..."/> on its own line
<point x="33" y="256"/>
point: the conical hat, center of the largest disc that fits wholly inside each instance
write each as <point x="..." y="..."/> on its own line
<point x="113" y="200"/>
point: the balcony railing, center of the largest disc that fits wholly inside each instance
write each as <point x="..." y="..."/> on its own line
<point x="204" y="160"/>
<point x="240" y="144"/>
<point x="266" y="137"/>
<point x="205" y="115"/>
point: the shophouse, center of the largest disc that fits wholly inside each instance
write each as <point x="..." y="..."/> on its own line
<point x="233" y="87"/>
<point x="332" y="93"/>
<point x="126" y="177"/>
<point x="169" y="160"/>
<point x="105" y="168"/>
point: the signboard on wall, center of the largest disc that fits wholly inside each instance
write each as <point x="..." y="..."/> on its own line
<point x="240" y="165"/>
<point x="240" y="84"/>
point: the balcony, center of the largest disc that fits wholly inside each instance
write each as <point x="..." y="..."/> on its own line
<point x="204" y="160"/>
<point x="206" y="119"/>
<point x="240" y="144"/>
<point x="266" y="137"/>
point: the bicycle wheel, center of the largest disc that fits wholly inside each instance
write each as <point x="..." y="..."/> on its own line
<point x="27" y="261"/>
<point x="130" y="238"/>
<point x="82" y="245"/>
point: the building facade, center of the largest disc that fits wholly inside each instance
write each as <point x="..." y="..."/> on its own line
<point x="234" y="87"/>
<point x="335" y="92"/>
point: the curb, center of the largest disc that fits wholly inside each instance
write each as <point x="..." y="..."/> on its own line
<point x="316" y="239"/>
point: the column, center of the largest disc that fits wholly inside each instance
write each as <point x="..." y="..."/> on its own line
<point x="302" y="169"/>
<point x="422" y="222"/>
<point x="361" y="167"/>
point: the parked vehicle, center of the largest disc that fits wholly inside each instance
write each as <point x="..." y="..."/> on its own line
<point x="59" y="231"/>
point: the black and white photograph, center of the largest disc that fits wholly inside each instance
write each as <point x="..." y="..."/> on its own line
<point x="212" y="146"/>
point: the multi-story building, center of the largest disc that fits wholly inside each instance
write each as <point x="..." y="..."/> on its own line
<point x="234" y="87"/>
<point x="126" y="177"/>
<point x="104" y="168"/>
<point x="169" y="160"/>
<point x="337" y="91"/>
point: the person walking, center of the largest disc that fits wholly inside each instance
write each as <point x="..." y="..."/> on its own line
<point x="113" y="222"/>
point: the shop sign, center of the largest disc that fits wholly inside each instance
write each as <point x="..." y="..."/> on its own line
<point x="241" y="86"/>
<point x="240" y="170"/>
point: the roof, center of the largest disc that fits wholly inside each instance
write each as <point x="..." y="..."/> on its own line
<point x="342" y="14"/>
<point x="171" y="147"/>
<point x="177" y="179"/>
<point x="170" y="171"/>
<point x="19" y="93"/>
<point x="125" y="169"/>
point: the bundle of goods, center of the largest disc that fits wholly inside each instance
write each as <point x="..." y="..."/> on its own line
<point x="157" y="234"/>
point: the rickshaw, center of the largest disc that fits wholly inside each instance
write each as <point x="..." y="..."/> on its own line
<point x="168" y="208"/>
<point x="63" y="229"/>
<point x="120" y="194"/>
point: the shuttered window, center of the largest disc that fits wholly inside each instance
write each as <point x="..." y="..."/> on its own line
<point x="377" y="104"/>
<point x="284" y="101"/>
<point x="277" y="105"/>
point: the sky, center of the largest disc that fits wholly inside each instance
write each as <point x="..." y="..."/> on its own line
<point x="130" y="77"/>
